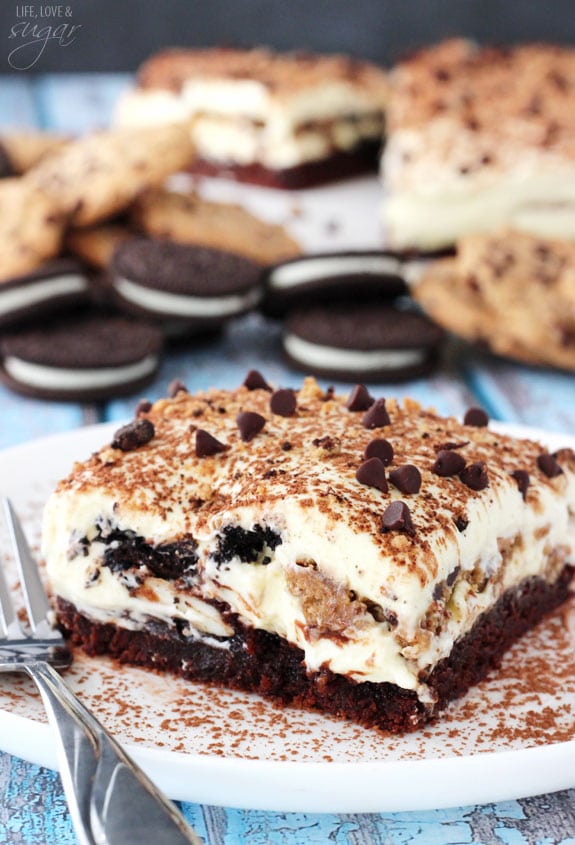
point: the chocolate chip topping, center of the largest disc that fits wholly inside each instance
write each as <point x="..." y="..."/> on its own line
<point x="397" y="517"/>
<point x="176" y="386"/>
<point x="283" y="403"/>
<point x="377" y="415"/>
<point x="372" y="474"/>
<point x="476" y="417"/>
<point x="207" y="445"/>
<point x="359" y="399"/>
<point x="548" y="465"/>
<point x="255" y="381"/>
<point x="143" y="406"/>
<point x="379" y="448"/>
<point x="249" y="424"/>
<point x="448" y="463"/>
<point x="522" y="479"/>
<point x="461" y="523"/>
<point x="475" y="476"/>
<point x="407" y="478"/>
<point x="134" y="434"/>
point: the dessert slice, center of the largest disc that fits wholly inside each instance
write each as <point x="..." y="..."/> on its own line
<point x="512" y="292"/>
<point x="348" y="554"/>
<point x="285" y="120"/>
<point x="478" y="139"/>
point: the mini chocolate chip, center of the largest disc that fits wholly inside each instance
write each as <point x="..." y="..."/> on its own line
<point x="397" y="517"/>
<point x="207" y="445"/>
<point x="143" y="406"/>
<point x="283" y="403"/>
<point x="522" y="479"/>
<point x="379" y="448"/>
<point x="407" y="478"/>
<point x="359" y="399"/>
<point x="437" y="591"/>
<point x="461" y="523"/>
<point x="134" y="434"/>
<point x="249" y="424"/>
<point x="475" y="476"/>
<point x="286" y="447"/>
<point x="372" y="474"/>
<point x="448" y="463"/>
<point x="452" y="576"/>
<point x="476" y="417"/>
<point x="548" y="465"/>
<point x="377" y="415"/>
<point x="176" y="386"/>
<point x="255" y="381"/>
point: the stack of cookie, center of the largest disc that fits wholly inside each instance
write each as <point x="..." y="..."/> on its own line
<point x="98" y="252"/>
<point x="348" y="316"/>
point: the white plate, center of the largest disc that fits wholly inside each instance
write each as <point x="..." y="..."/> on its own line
<point x="510" y="737"/>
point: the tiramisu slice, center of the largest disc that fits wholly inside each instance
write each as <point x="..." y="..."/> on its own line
<point x="285" y="120"/>
<point x="350" y="554"/>
<point x="477" y="139"/>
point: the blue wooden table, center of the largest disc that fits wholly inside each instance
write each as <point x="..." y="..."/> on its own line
<point x="32" y="805"/>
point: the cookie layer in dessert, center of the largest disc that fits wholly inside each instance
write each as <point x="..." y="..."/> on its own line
<point x="512" y="292"/>
<point x="365" y="557"/>
<point x="280" y="119"/>
<point x="478" y="139"/>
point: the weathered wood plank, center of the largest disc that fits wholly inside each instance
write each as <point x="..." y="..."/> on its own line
<point x="77" y="103"/>
<point x="17" y="102"/>
<point x="23" y="419"/>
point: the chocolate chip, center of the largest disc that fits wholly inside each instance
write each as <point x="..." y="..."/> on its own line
<point x="283" y="403"/>
<point x="176" y="386"/>
<point x="476" y="417"/>
<point x="255" y="381"/>
<point x="359" y="399"/>
<point x="379" y="448"/>
<point x="143" y="406"/>
<point x="451" y="445"/>
<point x="377" y="415"/>
<point x="134" y="434"/>
<point x="407" y="478"/>
<point x="548" y="465"/>
<point x="286" y="447"/>
<point x="522" y="479"/>
<point x="372" y="474"/>
<point x="461" y="523"/>
<point x="207" y="445"/>
<point x="475" y="476"/>
<point x="397" y="517"/>
<point x="448" y="463"/>
<point x="249" y="424"/>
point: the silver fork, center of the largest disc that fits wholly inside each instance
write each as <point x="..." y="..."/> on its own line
<point x="111" y="800"/>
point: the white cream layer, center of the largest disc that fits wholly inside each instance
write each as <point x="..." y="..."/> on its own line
<point x="257" y="129"/>
<point x="314" y="355"/>
<point x="311" y="269"/>
<point x="60" y="378"/>
<point x="14" y="299"/>
<point x="178" y="305"/>
<point x="261" y="596"/>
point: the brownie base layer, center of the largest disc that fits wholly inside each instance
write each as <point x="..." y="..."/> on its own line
<point x="340" y="165"/>
<point x="257" y="661"/>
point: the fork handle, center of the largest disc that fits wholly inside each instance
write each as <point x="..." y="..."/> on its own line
<point x="111" y="800"/>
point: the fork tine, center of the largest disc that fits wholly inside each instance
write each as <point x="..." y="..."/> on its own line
<point x="9" y="624"/>
<point x="35" y="597"/>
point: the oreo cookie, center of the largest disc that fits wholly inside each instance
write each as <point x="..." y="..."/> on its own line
<point x="55" y="284"/>
<point x="330" y="277"/>
<point x="183" y="284"/>
<point x="81" y="357"/>
<point x="366" y="342"/>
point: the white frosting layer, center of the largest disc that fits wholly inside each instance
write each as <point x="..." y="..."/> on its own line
<point x="13" y="299"/>
<point x="247" y="125"/>
<point x="60" y="378"/>
<point x="314" y="355"/>
<point x="178" y="305"/>
<point x="311" y="269"/>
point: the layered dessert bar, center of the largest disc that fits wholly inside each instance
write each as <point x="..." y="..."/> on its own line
<point x="509" y="291"/>
<point x="479" y="138"/>
<point x="285" y="120"/>
<point x="368" y="559"/>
